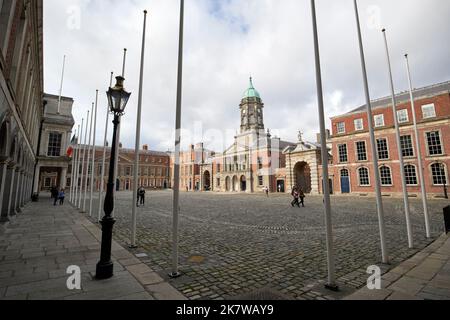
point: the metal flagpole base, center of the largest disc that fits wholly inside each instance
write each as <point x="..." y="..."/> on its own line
<point x="175" y="275"/>
<point x="332" y="287"/>
<point x="133" y="246"/>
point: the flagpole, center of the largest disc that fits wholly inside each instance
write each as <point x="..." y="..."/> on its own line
<point x="86" y="177"/>
<point x="93" y="155"/>
<point x="138" y="139"/>
<point x="399" y="148"/>
<point x="61" y="87"/>
<point x="78" y="163"/>
<point x="380" y="208"/>
<point x="117" y="151"/>
<point x="83" y="164"/>
<point x="176" y="190"/>
<point x="419" y="153"/>
<point x="102" y="183"/>
<point x="72" y="171"/>
<point x="325" y="159"/>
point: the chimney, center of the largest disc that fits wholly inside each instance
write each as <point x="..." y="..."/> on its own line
<point x="145" y="147"/>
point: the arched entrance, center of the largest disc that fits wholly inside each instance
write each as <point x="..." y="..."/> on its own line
<point x="206" y="181"/>
<point x="235" y="184"/>
<point x="227" y="184"/>
<point x="3" y="139"/>
<point x="302" y="174"/>
<point x="345" y="181"/>
<point x="117" y="185"/>
<point x="243" y="183"/>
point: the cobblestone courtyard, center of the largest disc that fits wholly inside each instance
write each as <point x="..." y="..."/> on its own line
<point x="232" y="246"/>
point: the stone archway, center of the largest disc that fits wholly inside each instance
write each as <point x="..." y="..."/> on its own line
<point x="207" y="181"/>
<point x="228" y="184"/>
<point x="302" y="174"/>
<point x="243" y="183"/>
<point x="235" y="184"/>
<point x="4" y="139"/>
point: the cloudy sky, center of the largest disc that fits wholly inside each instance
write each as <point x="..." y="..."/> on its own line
<point x="226" y="41"/>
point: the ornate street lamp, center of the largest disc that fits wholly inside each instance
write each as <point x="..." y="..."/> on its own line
<point x="117" y="99"/>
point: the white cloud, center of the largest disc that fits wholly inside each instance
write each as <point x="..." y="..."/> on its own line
<point x="225" y="43"/>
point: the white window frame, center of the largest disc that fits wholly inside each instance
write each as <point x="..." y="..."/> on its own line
<point x="340" y="127"/>
<point x="417" y="176"/>
<point x="425" y="112"/>
<point x="378" y="117"/>
<point x="428" y="145"/>
<point x="412" y="146"/>
<point x="388" y="150"/>
<point x="359" y="177"/>
<point x="390" y="174"/>
<point x="445" y="173"/>
<point x="357" y="151"/>
<point x="403" y="116"/>
<point x="359" y="124"/>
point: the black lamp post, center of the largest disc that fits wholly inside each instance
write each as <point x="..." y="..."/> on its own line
<point x="117" y="99"/>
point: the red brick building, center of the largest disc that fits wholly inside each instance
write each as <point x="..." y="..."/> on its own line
<point x="352" y="168"/>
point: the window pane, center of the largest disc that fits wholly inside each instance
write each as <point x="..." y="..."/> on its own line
<point x="383" y="151"/>
<point x="364" y="177"/>
<point x="386" y="178"/>
<point x="379" y="120"/>
<point x="428" y="111"/>
<point x="402" y="116"/>
<point x="439" y="176"/>
<point x="410" y="175"/>
<point x="407" y="146"/>
<point x="359" y="124"/>
<point x="343" y="155"/>
<point x="434" y="143"/>
<point x="341" y="127"/>
<point x="54" y="144"/>
<point x="361" y="151"/>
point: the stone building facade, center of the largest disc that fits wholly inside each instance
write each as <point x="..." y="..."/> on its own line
<point x="56" y="132"/>
<point x="250" y="164"/>
<point x="21" y="100"/>
<point x="352" y="168"/>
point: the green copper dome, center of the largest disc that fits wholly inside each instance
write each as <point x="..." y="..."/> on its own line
<point x="251" y="91"/>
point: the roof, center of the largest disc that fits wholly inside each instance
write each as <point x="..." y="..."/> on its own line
<point x="402" y="97"/>
<point x="251" y="91"/>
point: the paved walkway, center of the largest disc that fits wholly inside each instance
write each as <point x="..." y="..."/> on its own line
<point x="426" y="276"/>
<point x="38" y="246"/>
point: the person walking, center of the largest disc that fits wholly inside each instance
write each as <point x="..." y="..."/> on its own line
<point x="266" y="190"/>
<point x="302" y="198"/>
<point x="296" y="196"/>
<point x="54" y="192"/>
<point x="61" y="197"/>
<point x="142" y="196"/>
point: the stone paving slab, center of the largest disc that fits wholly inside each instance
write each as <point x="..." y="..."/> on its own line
<point x="425" y="276"/>
<point x="38" y="246"/>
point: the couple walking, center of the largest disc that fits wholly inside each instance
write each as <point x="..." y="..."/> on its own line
<point x="299" y="197"/>
<point x="58" y="195"/>
<point x="140" y="197"/>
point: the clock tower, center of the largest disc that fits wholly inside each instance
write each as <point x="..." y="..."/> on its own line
<point x="252" y="117"/>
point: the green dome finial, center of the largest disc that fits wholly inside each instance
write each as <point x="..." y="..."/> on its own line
<point x="251" y="91"/>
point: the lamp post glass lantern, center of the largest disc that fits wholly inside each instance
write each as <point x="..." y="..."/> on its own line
<point x="118" y="99"/>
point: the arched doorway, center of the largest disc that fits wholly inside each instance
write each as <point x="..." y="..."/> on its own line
<point x="345" y="181"/>
<point x="206" y="181"/>
<point x="227" y="184"/>
<point x="302" y="173"/>
<point x="235" y="184"/>
<point x="4" y="139"/>
<point x="117" y="185"/>
<point x="243" y="183"/>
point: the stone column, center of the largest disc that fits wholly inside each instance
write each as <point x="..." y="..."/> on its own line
<point x="24" y="189"/>
<point x="63" y="180"/>
<point x="8" y="193"/>
<point x="3" y="168"/>
<point x="16" y="204"/>
<point x="36" y="179"/>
